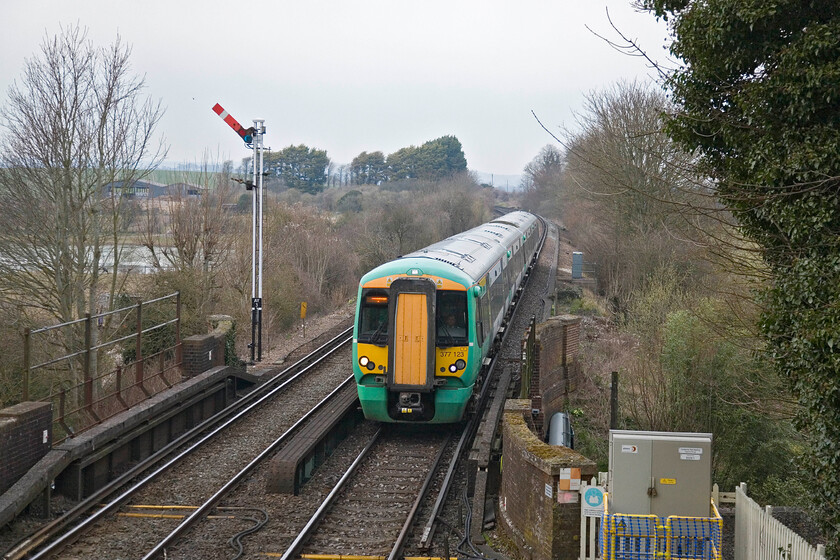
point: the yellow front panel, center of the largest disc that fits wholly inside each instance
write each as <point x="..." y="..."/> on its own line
<point x="410" y="342"/>
<point x="447" y="357"/>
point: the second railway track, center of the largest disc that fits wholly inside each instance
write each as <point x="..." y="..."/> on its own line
<point x="199" y="473"/>
<point x="373" y="510"/>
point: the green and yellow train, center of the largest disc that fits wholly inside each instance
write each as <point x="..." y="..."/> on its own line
<point x="426" y="321"/>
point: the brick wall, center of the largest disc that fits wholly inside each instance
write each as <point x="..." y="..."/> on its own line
<point x="204" y="351"/>
<point x="557" y="366"/>
<point x="25" y="437"/>
<point x="537" y="511"/>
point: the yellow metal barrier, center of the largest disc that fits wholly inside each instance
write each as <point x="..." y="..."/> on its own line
<point x="640" y="537"/>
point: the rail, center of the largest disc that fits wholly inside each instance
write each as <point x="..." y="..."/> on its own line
<point x="204" y="509"/>
<point x="381" y="441"/>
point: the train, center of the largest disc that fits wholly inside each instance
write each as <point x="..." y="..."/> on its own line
<point x="426" y="321"/>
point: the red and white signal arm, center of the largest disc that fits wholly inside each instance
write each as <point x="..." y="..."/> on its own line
<point x="245" y="133"/>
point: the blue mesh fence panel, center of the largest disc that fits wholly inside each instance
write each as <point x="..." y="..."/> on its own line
<point x="694" y="538"/>
<point x="640" y="537"/>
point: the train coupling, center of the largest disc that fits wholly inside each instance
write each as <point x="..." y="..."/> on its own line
<point x="409" y="403"/>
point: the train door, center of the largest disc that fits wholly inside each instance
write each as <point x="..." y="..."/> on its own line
<point x="410" y="342"/>
<point x="412" y="362"/>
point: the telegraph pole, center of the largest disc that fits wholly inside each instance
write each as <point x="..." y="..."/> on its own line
<point x="253" y="138"/>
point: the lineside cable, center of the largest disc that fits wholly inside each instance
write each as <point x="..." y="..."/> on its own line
<point x="235" y="541"/>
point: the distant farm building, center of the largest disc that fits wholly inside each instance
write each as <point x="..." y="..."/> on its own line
<point x="149" y="190"/>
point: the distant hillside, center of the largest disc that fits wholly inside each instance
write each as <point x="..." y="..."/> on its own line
<point x="182" y="175"/>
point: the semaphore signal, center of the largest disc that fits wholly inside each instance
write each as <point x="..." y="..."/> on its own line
<point x="253" y="138"/>
<point x="247" y="134"/>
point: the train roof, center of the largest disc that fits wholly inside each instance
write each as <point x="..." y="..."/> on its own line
<point x="476" y="250"/>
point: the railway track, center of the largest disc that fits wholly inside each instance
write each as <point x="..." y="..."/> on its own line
<point x="210" y="509"/>
<point x="193" y="467"/>
<point x="372" y="509"/>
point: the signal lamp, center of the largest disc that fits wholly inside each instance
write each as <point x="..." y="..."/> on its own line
<point x="247" y="134"/>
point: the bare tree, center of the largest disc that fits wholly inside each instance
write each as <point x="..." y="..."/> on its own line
<point x="625" y="184"/>
<point x="541" y="180"/>
<point x="186" y="232"/>
<point x="78" y="133"/>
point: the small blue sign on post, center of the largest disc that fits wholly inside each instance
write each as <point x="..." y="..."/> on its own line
<point x="593" y="501"/>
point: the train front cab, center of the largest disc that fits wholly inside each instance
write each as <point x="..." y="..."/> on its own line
<point x="410" y="368"/>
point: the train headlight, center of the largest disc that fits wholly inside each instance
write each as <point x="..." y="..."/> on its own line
<point x="459" y="364"/>
<point x="363" y="361"/>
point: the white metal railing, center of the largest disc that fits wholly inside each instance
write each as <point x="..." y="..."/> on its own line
<point x="759" y="536"/>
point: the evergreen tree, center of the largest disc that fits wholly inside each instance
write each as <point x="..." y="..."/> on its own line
<point x="369" y="168"/>
<point x="401" y="164"/>
<point x="300" y="167"/>
<point x="758" y="94"/>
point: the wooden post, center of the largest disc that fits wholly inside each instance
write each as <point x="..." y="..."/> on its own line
<point x="87" y="370"/>
<point x="138" y="351"/>
<point x="614" y="401"/>
<point x="119" y="387"/>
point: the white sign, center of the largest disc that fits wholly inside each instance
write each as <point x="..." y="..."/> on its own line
<point x="593" y="501"/>
<point x="691" y="450"/>
<point x="685" y="457"/>
<point x="629" y="449"/>
<point x="549" y="491"/>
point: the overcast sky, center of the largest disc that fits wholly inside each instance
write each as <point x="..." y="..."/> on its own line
<point x="353" y="76"/>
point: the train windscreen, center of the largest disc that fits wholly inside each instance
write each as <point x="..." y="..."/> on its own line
<point x="451" y="319"/>
<point x="373" y="319"/>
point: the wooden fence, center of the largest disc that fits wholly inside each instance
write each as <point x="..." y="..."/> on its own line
<point x="590" y="526"/>
<point x="760" y="536"/>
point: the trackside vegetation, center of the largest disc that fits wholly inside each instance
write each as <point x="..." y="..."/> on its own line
<point x="756" y="97"/>
<point x="672" y="305"/>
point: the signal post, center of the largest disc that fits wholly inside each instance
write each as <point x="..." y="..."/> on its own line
<point x="253" y="138"/>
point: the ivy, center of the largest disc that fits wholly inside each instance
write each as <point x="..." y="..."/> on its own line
<point x="758" y="98"/>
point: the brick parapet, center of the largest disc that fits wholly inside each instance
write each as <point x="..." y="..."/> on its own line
<point x="558" y="368"/>
<point x="25" y="437"/>
<point x="40" y="476"/>
<point x="205" y="351"/>
<point x="543" y="520"/>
